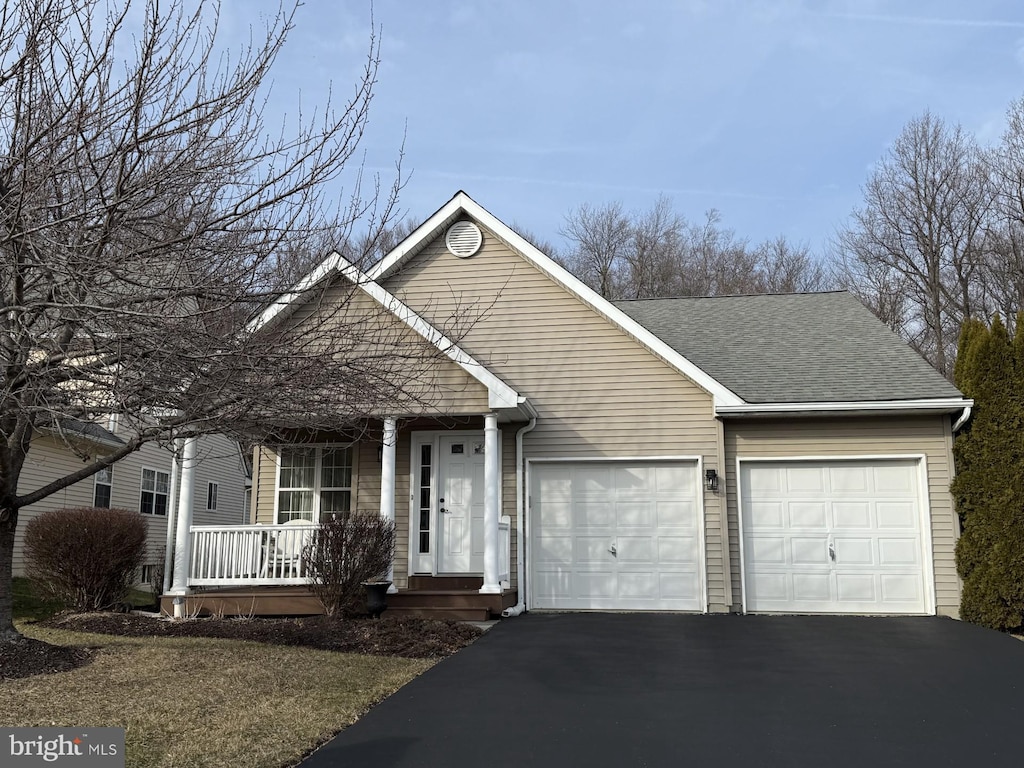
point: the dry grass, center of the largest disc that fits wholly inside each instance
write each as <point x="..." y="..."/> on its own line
<point x="201" y="703"/>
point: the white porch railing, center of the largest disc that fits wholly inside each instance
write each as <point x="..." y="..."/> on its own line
<point x="258" y="555"/>
<point x="504" y="551"/>
<point x="252" y="555"/>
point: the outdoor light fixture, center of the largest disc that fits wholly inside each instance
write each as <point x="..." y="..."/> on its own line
<point x="711" y="480"/>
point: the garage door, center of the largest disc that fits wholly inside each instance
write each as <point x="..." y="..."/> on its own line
<point x="833" y="537"/>
<point x="616" y="536"/>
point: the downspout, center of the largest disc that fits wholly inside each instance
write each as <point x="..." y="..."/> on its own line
<point x="520" y="606"/>
<point x="963" y="417"/>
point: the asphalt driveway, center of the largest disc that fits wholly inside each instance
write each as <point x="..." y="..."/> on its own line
<point x="669" y="690"/>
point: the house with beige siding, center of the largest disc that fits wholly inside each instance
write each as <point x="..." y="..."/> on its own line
<point x="142" y="481"/>
<point x="768" y="454"/>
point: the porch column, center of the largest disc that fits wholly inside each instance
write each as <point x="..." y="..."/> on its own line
<point x="172" y="518"/>
<point x="387" y="483"/>
<point x="183" y="537"/>
<point x="492" y="511"/>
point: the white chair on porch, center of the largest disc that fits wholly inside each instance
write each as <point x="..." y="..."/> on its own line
<point x="286" y="559"/>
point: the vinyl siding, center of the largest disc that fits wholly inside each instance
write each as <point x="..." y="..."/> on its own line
<point x="217" y="461"/>
<point x="598" y="391"/>
<point x="430" y="382"/>
<point x="897" y="435"/>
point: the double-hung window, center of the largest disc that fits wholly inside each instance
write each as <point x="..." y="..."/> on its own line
<point x="314" y="483"/>
<point x="153" y="498"/>
<point x="211" y="496"/>
<point x="102" y="487"/>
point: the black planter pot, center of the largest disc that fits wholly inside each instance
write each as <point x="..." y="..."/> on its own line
<point x="376" y="597"/>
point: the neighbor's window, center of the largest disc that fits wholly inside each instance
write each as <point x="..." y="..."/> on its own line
<point x="102" y="488"/>
<point x="314" y="483"/>
<point x="211" y="496"/>
<point x="153" y="500"/>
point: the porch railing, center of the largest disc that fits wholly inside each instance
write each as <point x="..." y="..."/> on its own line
<point x="249" y="554"/>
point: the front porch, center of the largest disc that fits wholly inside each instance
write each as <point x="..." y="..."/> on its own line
<point x="259" y="570"/>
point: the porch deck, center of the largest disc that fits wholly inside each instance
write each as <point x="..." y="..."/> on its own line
<point x="433" y="597"/>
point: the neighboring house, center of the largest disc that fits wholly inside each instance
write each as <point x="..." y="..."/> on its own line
<point x="141" y="481"/>
<point x="781" y="453"/>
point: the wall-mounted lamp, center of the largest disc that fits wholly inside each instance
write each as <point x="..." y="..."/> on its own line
<point x="711" y="480"/>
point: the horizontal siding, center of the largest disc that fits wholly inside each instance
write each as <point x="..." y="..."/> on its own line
<point x="598" y="392"/>
<point x="896" y="435"/>
<point x="430" y="382"/>
<point x="218" y="461"/>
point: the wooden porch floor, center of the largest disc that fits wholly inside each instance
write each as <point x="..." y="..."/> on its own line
<point x="444" y="597"/>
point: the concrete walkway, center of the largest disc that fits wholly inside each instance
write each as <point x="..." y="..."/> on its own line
<point x="669" y="690"/>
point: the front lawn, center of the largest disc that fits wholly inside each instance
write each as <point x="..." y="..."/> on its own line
<point x="205" y="703"/>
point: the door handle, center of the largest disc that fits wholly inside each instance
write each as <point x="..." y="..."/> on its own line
<point x="832" y="551"/>
<point x="612" y="549"/>
<point x="443" y="510"/>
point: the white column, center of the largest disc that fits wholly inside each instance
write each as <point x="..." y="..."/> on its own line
<point x="183" y="537"/>
<point x="172" y="517"/>
<point x="492" y="510"/>
<point x="387" y="483"/>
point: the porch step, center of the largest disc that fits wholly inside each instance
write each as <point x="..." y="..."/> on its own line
<point x="417" y="583"/>
<point x="427" y="612"/>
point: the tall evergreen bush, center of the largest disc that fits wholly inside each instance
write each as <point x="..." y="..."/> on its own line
<point x="989" y="485"/>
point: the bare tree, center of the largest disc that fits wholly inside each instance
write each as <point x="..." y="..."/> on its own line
<point x="600" y="237"/>
<point x="785" y="268"/>
<point x="143" y="209"/>
<point x="923" y="220"/>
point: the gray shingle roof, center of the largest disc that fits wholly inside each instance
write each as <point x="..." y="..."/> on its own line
<point x="791" y="348"/>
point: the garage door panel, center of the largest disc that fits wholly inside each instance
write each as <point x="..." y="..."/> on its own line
<point x="804" y="480"/>
<point x="806" y="514"/>
<point x="851" y="514"/>
<point x="767" y="515"/>
<point x="633" y="533"/>
<point x="553" y="549"/>
<point x="899" y="552"/>
<point x="896" y="514"/>
<point x="868" y="510"/>
<point x="848" y="480"/>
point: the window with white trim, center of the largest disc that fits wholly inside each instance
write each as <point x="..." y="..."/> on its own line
<point x="102" y="487"/>
<point x="314" y="483"/>
<point x="211" y="496"/>
<point x="153" y="497"/>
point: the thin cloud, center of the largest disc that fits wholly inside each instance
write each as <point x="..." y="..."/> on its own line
<point x="928" y="21"/>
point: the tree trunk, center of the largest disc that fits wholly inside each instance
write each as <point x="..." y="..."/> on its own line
<point x="9" y="518"/>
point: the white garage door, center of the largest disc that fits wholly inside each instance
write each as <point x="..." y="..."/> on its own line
<point x="833" y="537"/>
<point x="616" y="536"/>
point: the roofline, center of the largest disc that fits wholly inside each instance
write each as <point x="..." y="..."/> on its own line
<point x="935" y="405"/>
<point x="113" y="441"/>
<point x="499" y="394"/>
<point x="463" y="203"/>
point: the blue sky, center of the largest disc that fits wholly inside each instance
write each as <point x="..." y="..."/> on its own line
<point x="771" y="112"/>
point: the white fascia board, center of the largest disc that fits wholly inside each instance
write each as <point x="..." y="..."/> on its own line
<point x="464" y="203"/>
<point x="499" y="394"/>
<point x="938" y="405"/>
<point x="288" y="301"/>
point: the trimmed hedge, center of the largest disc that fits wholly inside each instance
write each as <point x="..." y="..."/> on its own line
<point x="87" y="558"/>
<point x="989" y="484"/>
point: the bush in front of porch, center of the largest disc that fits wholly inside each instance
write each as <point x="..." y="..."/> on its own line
<point x="346" y="551"/>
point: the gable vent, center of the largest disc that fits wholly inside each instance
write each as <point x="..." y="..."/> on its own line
<point x="463" y="239"/>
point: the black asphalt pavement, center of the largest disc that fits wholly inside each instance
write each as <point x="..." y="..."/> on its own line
<point x="598" y="690"/>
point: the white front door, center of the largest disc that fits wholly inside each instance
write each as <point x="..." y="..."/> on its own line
<point x="460" y="504"/>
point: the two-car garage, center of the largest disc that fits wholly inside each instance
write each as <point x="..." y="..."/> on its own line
<point x="816" y="536"/>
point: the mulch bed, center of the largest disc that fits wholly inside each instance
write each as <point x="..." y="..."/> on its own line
<point x="25" y="657"/>
<point x="388" y="636"/>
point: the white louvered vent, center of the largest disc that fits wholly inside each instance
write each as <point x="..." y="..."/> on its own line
<point x="463" y="239"/>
